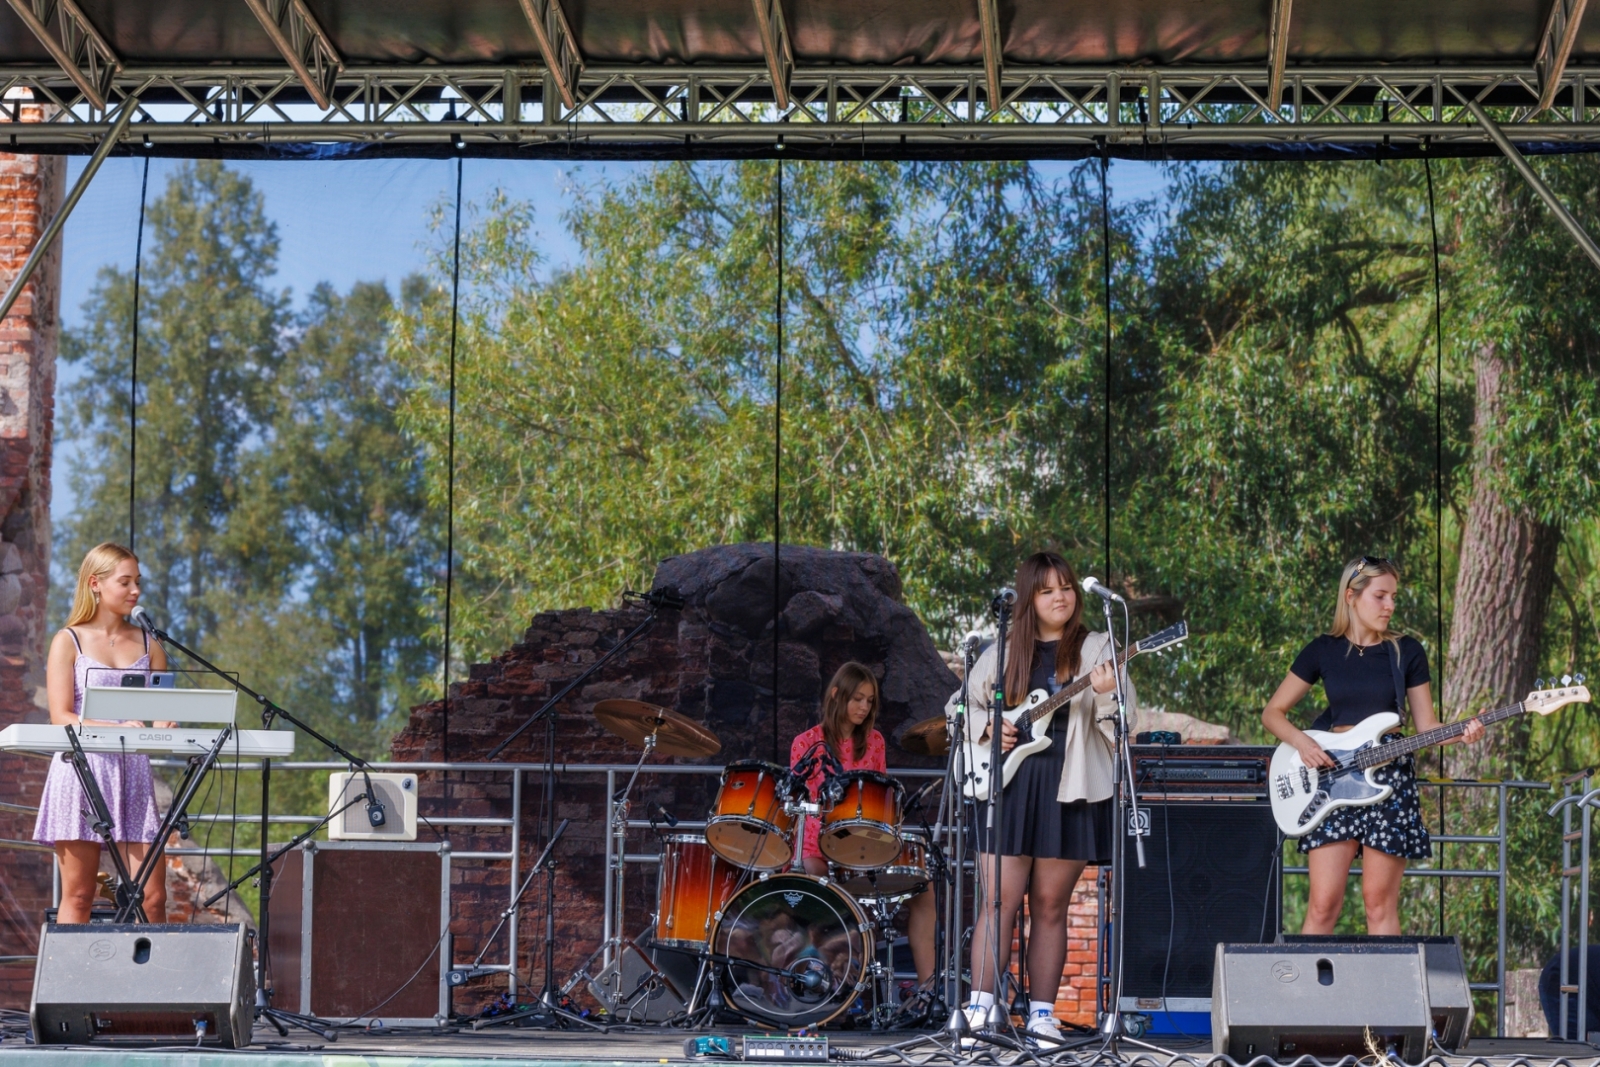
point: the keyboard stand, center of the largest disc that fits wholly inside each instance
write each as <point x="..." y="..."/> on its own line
<point x="177" y="818"/>
<point x="130" y="894"/>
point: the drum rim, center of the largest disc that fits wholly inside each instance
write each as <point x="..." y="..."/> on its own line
<point x="749" y="820"/>
<point x="873" y="776"/>
<point x="859" y="931"/>
<point x="747" y="764"/>
<point x="687" y="839"/>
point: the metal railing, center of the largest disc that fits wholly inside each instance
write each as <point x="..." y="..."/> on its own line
<point x="1577" y="791"/>
<point x="1497" y="873"/>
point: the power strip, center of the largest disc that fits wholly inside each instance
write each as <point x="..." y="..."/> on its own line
<point x="790" y="1049"/>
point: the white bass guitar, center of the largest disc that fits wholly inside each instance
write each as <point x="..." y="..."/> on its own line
<point x="1032" y="718"/>
<point x="1302" y="797"/>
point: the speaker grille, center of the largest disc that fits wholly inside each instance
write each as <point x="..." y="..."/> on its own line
<point x="1224" y="886"/>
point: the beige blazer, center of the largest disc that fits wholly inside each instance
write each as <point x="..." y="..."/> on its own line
<point x="1086" y="773"/>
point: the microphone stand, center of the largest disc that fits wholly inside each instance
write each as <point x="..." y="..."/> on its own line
<point x="999" y="1017"/>
<point x="1132" y="824"/>
<point x="549" y="996"/>
<point x="270" y="712"/>
<point x="956" y="806"/>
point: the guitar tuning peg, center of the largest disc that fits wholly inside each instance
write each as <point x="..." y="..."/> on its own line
<point x="1566" y="679"/>
<point x="1538" y="683"/>
<point x="1578" y="678"/>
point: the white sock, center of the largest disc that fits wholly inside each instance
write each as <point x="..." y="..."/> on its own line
<point x="981" y="1000"/>
<point x="1041" y="1007"/>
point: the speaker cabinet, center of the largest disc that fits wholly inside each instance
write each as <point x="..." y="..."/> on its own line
<point x="396" y="793"/>
<point x="126" y="984"/>
<point x="1322" y="1000"/>
<point x="352" y="920"/>
<point x="1210" y="876"/>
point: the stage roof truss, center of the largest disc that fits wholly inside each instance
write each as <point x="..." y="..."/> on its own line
<point x="563" y="59"/>
<point x="74" y="43"/>
<point x="1555" y="46"/>
<point x="303" y="44"/>
<point x="775" y="45"/>
<point x="736" y="109"/>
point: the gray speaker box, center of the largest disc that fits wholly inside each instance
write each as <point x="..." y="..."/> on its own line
<point x="1449" y="995"/>
<point x="1321" y="1000"/>
<point x="123" y="983"/>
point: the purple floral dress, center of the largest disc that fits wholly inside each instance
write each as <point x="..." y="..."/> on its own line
<point x="124" y="780"/>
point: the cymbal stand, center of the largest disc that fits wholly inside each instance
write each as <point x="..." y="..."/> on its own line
<point x="130" y="894"/>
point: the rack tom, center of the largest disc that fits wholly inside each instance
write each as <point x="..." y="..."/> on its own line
<point x="694" y="885"/>
<point x="905" y="877"/>
<point x="862" y="830"/>
<point x="748" y="825"/>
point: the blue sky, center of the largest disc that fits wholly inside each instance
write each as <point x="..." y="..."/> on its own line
<point x="344" y="222"/>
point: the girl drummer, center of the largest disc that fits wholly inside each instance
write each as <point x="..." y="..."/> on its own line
<point x="1357" y="661"/>
<point x="849" y="713"/>
<point x="98" y="641"/>
<point x="1056" y="813"/>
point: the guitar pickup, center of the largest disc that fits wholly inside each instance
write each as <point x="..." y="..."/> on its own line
<point x="1305" y="780"/>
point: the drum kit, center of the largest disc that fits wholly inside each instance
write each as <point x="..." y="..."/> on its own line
<point x="739" y="924"/>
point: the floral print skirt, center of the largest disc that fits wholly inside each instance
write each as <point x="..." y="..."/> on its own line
<point x="1394" y="826"/>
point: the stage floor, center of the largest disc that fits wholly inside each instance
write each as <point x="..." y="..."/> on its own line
<point x="591" y="1049"/>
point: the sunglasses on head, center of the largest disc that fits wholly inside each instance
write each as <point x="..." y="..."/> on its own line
<point x="1369" y="561"/>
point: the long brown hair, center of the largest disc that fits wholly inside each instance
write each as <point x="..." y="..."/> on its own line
<point x="100" y="562"/>
<point x="1031" y="574"/>
<point x="835" y="704"/>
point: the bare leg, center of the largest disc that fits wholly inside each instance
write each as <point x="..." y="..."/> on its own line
<point x="1380" y="890"/>
<point x="80" y="862"/>
<point x="920" y="922"/>
<point x="1330" y="867"/>
<point x="1049" y="897"/>
<point x="1014" y="872"/>
<point x="815" y="865"/>
<point x="155" y="893"/>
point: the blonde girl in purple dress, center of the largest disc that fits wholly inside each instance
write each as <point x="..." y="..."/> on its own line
<point x="98" y="637"/>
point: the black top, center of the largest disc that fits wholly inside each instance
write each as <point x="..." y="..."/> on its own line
<point x="1044" y="667"/>
<point x="1358" y="682"/>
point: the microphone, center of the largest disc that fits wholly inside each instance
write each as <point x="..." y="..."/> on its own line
<point x="920" y="795"/>
<point x="376" y="816"/>
<point x="972" y="642"/>
<point x="141" y="618"/>
<point x="666" y="816"/>
<point x="666" y="598"/>
<point x="1091" y="584"/>
<point x="1003" y="600"/>
<point x="808" y="981"/>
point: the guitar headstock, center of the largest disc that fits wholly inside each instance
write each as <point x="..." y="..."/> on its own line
<point x="1544" y="701"/>
<point x="1175" y="634"/>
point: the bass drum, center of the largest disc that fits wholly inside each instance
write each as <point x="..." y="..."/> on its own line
<point x="799" y="948"/>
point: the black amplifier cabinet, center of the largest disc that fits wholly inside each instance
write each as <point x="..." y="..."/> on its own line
<point x="1201" y="772"/>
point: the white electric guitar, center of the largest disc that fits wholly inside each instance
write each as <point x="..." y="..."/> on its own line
<point x="1302" y="797"/>
<point x="1032" y="719"/>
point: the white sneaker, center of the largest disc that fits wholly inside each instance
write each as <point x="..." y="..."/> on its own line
<point x="1044" y="1024"/>
<point x="977" y="1019"/>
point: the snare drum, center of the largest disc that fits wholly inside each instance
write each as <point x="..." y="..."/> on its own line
<point x="747" y="825"/>
<point x="905" y="877"/>
<point x="862" y="831"/>
<point x="694" y="885"/>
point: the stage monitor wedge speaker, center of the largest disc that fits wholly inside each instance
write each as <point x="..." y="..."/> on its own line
<point x="397" y="794"/>
<point x="1210" y="876"/>
<point x="126" y="984"/>
<point x="1323" y="1000"/>
<point x="1449" y="994"/>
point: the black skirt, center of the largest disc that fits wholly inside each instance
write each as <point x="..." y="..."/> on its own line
<point x="1394" y="826"/>
<point x="1034" y="823"/>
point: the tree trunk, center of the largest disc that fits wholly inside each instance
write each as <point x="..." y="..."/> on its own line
<point x="1507" y="571"/>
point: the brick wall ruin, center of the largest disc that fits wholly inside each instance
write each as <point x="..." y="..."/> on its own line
<point x="30" y="194"/>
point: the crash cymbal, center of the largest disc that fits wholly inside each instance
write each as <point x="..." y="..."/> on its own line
<point x="676" y="735"/>
<point x="927" y="738"/>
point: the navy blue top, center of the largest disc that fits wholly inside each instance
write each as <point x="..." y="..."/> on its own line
<point x="1358" y="683"/>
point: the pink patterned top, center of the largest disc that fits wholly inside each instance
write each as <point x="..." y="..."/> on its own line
<point x="874" y="759"/>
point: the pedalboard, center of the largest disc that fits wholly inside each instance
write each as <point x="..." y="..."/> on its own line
<point x="786" y="1049"/>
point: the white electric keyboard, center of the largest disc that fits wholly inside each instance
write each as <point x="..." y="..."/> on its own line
<point x="180" y="740"/>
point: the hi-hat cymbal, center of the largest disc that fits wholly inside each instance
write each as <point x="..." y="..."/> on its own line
<point x="676" y="735"/>
<point x="927" y="738"/>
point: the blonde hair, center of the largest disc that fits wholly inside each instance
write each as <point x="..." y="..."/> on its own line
<point x="100" y="562"/>
<point x="835" y="705"/>
<point x="1358" y="574"/>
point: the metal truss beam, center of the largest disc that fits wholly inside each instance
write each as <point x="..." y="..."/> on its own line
<point x="303" y="45"/>
<point x="562" y="59"/>
<point x="1502" y="142"/>
<point x="843" y="111"/>
<point x="1278" y="50"/>
<point x="74" y="43"/>
<point x="1555" y="45"/>
<point x="993" y="48"/>
<point x="776" y="47"/>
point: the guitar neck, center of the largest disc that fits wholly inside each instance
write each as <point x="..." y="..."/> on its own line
<point x="1054" y="704"/>
<point x="1438" y="735"/>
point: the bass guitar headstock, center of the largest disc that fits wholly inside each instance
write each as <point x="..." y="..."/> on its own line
<point x="1544" y="701"/>
<point x="1173" y="635"/>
